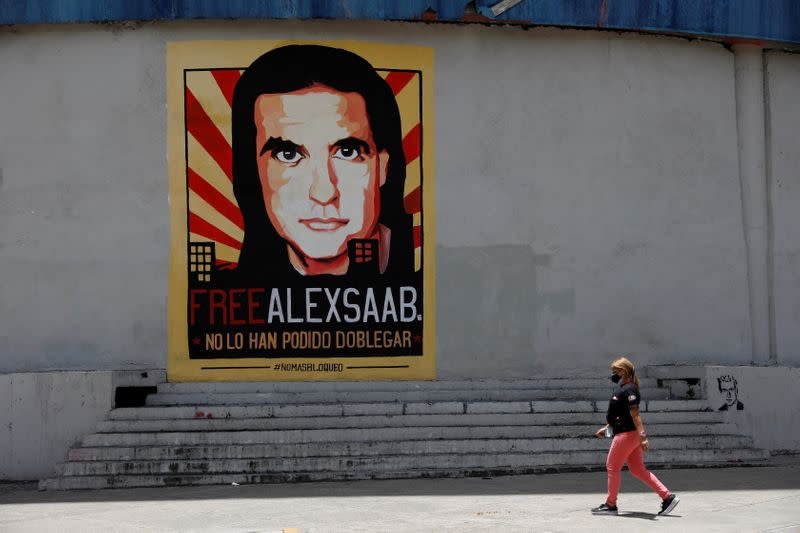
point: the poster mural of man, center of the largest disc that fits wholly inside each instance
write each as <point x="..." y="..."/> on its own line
<point x="729" y="388"/>
<point x="318" y="166"/>
<point x="298" y="218"/>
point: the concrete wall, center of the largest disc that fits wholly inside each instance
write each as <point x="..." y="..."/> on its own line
<point x="769" y="398"/>
<point x="84" y="224"/>
<point x="43" y="414"/>
<point x="588" y="196"/>
<point x="588" y="205"/>
<point x="783" y="155"/>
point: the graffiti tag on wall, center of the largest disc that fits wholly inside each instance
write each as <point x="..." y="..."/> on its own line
<point x="729" y="389"/>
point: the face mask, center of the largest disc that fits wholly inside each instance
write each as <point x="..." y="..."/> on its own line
<point x="615" y="378"/>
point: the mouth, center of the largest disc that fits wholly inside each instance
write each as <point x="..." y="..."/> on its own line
<point x="324" y="224"/>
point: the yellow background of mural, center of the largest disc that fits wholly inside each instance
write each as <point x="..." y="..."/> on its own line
<point x="182" y="56"/>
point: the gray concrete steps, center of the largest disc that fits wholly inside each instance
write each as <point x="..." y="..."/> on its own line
<point x="377" y="408"/>
<point x="336" y="397"/>
<point x="374" y="463"/>
<point x="654" y="459"/>
<point x="435" y="407"/>
<point x="574" y="383"/>
<point x="561" y="411"/>
<point x="201" y="433"/>
<point x="222" y="421"/>
<point x="331" y="449"/>
<point x="393" y="434"/>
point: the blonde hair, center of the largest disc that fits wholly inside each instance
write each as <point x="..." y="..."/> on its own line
<point x="624" y="364"/>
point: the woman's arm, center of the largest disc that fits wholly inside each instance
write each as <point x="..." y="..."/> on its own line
<point x="637" y="421"/>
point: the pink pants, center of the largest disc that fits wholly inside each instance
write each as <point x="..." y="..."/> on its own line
<point x="626" y="448"/>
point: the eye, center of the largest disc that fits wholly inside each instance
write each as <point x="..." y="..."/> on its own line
<point x="347" y="153"/>
<point x="288" y="155"/>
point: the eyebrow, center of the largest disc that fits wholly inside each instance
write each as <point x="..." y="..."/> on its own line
<point x="352" y="142"/>
<point x="277" y="144"/>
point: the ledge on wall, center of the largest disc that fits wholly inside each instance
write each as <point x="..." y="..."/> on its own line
<point x="685" y="382"/>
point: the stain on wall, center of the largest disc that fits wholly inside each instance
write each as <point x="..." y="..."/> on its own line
<point x="489" y="310"/>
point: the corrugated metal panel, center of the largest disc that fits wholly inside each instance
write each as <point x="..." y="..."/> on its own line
<point x="54" y="11"/>
<point x="768" y="20"/>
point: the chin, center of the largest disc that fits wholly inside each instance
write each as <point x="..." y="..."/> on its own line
<point x="323" y="253"/>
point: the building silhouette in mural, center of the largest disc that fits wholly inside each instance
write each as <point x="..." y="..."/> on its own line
<point x="363" y="256"/>
<point x="201" y="261"/>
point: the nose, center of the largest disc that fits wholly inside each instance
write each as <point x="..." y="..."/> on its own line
<point x="324" y="189"/>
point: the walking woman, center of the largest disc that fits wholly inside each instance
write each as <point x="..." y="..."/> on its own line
<point x="629" y="440"/>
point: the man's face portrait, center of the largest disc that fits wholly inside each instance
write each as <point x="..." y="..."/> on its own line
<point x="319" y="169"/>
<point x="729" y="392"/>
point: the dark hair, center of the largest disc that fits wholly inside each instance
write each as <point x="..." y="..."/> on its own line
<point x="295" y="67"/>
<point x="727" y="379"/>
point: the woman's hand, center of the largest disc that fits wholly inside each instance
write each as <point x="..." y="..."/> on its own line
<point x="637" y="421"/>
<point x="600" y="433"/>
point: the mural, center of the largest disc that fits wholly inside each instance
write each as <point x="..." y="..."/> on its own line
<point x="729" y="389"/>
<point x="301" y="189"/>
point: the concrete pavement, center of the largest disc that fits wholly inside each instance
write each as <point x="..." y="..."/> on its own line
<point x="765" y="499"/>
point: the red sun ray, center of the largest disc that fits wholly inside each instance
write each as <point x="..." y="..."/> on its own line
<point x="417" y="236"/>
<point x="411" y="144"/>
<point x="205" y="131"/>
<point x="412" y="201"/>
<point x="399" y="79"/>
<point x="225" y="265"/>
<point x="226" y="79"/>
<point x="201" y="227"/>
<point x="216" y="199"/>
